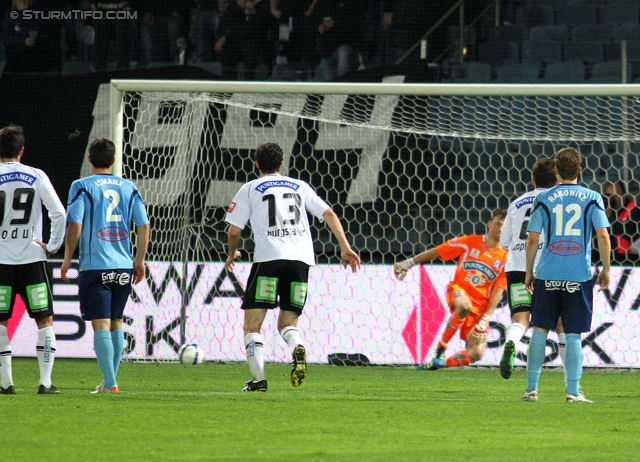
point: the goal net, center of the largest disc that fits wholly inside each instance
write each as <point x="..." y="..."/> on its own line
<point x="405" y="166"/>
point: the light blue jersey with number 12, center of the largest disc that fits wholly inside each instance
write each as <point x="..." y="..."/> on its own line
<point x="568" y="213"/>
<point x="105" y="205"/>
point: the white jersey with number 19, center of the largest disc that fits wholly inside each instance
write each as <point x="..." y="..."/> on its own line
<point x="23" y="190"/>
<point x="276" y="207"/>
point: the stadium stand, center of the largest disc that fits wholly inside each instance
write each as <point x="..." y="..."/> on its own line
<point x="576" y="15"/>
<point x="609" y="72"/>
<point x="554" y="33"/>
<point x="518" y="73"/>
<point x="471" y="72"/>
<point x="567" y="72"/>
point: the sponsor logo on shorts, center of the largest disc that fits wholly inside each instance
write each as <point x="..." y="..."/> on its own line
<point x="231" y="207"/>
<point x="116" y="278"/>
<point x="567" y="286"/>
<point x="112" y="234"/>
<point x="566" y="248"/>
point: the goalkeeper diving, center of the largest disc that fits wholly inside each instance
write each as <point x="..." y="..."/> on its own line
<point x="474" y="292"/>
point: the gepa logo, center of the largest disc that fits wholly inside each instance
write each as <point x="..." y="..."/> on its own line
<point x="112" y="234"/>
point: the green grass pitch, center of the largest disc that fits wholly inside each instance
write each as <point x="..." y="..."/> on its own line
<point x="187" y="413"/>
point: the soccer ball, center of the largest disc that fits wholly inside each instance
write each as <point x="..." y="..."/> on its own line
<point x="190" y="353"/>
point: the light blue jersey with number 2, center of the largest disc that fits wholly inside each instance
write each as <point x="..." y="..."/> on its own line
<point x="567" y="213"/>
<point x="105" y="205"/>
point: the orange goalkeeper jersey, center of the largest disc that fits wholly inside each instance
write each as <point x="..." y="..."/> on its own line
<point x="480" y="268"/>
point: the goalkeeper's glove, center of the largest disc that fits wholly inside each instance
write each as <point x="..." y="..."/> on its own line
<point x="480" y="331"/>
<point x="400" y="269"/>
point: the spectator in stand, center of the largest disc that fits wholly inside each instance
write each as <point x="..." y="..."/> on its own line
<point x="228" y="37"/>
<point x="339" y="36"/>
<point x="122" y="31"/>
<point x="30" y="44"/>
<point x="404" y="23"/>
<point x="257" y="43"/>
<point x="163" y="29"/>
<point x="206" y="28"/>
<point x="624" y="216"/>
<point x="296" y="16"/>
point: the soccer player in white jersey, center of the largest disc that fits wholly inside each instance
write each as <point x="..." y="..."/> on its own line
<point x="100" y="211"/>
<point x="276" y="207"/>
<point x="563" y="282"/>
<point x="23" y="270"/>
<point x="514" y="239"/>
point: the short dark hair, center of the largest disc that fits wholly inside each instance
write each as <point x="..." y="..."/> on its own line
<point x="543" y="173"/>
<point x="269" y="157"/>
<point x="499" y="213"/>
<point x="102" y="152"/>
<point x="568" y="162"/>
<point x="11" y="141"/>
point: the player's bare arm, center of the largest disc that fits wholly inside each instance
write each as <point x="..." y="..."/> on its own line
<point x="71" y="243"/>
<point x="233" y="239"/>
<point x="143" y="234"/>
<point x="347" y="255"/>
<point x="532" y="250"/>
<point x="604" y="246"/>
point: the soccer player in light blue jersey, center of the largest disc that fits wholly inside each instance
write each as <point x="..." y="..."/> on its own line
<point x="563" y="284"/>
<point x="100" y="212"/>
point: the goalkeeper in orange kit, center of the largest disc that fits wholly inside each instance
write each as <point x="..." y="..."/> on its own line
<point x="474" y="292"/>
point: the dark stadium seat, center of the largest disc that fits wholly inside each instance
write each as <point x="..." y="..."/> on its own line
<point x="518" y="73"/>
<point x="592" y="33"/>
<point x="514" y="33"/>
<point x="551" y="3"/>
<point x="571" y="72"/>
<point x="609" y="72"/>
<point x="619" y="14"/>
<point x="577" y="15"/>
<point x="613" y="51"/>
<point x="534" y="15"/>
<point x="498" y="52"/>
<point x="549" y="33"/>
<point x="471" y="72"/>
<point x="626" y="32"/>
<point x="587" y="52"/>
<point x="597" y="3"/>
<point x="541" y="52"/>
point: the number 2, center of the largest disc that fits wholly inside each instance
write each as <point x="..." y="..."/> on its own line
<point x="115" y="200"/>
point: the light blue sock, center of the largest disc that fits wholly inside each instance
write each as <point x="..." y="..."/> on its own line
<point x="535" y="358"/>
<point x="573" y="360"/>
<point x="103" y="346"/>
<point x="117" y="338"/>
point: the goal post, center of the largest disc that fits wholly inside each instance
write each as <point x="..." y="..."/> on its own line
<point x="405" y="166"/>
